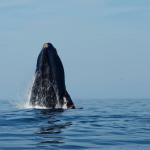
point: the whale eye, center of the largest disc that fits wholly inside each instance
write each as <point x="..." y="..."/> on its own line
<point x="45" y="45"/>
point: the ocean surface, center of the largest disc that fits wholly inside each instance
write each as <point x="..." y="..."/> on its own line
<point x="101" y="124"/>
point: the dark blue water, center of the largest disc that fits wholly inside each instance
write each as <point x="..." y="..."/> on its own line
<point x="101" y="124"/>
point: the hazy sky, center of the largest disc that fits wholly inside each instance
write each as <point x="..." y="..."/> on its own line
<point x="104" y="45"/>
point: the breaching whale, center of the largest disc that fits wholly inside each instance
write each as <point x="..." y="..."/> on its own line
<point x="49" y="89"/>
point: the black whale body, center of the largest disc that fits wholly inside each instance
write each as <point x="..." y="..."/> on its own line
<point x="49" y="88"/>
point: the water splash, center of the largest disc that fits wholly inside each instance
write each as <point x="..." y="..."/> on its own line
<point x="26" y="102"/>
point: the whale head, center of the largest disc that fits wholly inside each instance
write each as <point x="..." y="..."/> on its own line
<point x="49" y="88"/>
<point x="45" y="57"/>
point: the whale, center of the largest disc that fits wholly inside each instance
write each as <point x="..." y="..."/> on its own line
<point x="49" y="89"/>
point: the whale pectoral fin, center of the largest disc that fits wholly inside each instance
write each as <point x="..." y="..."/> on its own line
<point x="69" y="100"/>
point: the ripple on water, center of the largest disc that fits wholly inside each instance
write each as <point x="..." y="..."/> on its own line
<point x="101" y="124"/>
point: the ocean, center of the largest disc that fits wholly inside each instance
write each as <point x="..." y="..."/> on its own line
<point x="100" y="124"/>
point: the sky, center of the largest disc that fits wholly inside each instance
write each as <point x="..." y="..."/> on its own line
<point x="104" y="45"/>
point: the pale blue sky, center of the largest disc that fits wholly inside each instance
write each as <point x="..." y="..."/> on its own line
<point x="104" y="45"/>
